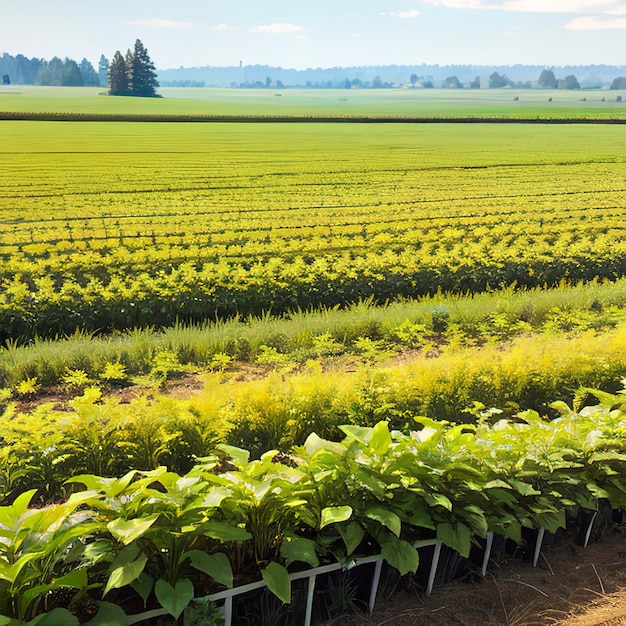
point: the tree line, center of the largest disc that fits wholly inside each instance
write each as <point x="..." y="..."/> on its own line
<point x="54" y="72"/>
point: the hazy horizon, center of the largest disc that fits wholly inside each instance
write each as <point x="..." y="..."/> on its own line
<point x="325" y="34"/>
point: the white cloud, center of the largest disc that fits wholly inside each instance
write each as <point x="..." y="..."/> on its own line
<point x="597" y="23"/>
<point x="277" y="29"/>
<point x="462" y="4"/>
<point x="611" y="7"/>
<point x="158" y="23"/>
<point x="223" y="27"/>
<point x="403" y="15"/>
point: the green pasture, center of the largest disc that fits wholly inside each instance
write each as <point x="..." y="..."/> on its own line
<point x="323" y="102"/>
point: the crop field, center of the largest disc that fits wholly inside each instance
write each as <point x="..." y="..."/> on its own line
<point x="226" y="348"/>
<point x="121" y="225"/>
<point x="445" y="103"/>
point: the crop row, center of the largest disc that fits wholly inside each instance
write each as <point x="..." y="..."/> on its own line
<point x="165" y="537"/>
<point x="222" y="290"/>
<point x="612" y="117"/>
<point x="41" y="447"/>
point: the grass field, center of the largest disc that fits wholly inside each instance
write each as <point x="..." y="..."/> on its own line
<point x="324" y="102"/>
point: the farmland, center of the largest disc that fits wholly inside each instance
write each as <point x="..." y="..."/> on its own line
<point x="191" y="295"/>
<point x="449" y="103"/>
<point x="110" y="227"/>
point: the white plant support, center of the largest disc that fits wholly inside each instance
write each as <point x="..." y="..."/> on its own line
<point x="487" y="556"/>
<point x="540" y="534"/>
<point x="434" y="563"/>
<point x="589" y="529"/>
<point x="228" y="594"/>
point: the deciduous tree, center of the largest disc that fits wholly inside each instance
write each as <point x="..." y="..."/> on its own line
<point x="547" y="79"/>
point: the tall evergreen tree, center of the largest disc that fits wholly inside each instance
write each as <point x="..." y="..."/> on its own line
<point x="90" y="77"/>
<point x="129" y="64"/>
<point x="103" y="71"/>
<point x="118" y="81"/>
<point x="144" y="78"/>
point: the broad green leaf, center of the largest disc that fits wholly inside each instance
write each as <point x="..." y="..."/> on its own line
<point x="185" y="483"/>
<point x="125" y="574"/>
<point x="362" y="434"/>
<point x="386" y="518"/>
<point x="507" y="526"/>
<point x="609" y="455"/>
<point x="476" y="519"/>
<point x="606" y="399"/>
<point x="299" y="549"/>
<point x="11" y="513"/>
<point x="55" y="618"/>
<point x="456" y="536"/>
<point x="335" y="514"/>
<point x="425" y="434"/>
<point x="217" y="566"/>
<point x="127" y="531"/>
<point x="525" y="489"/>
<point x="109" y="615"/>
<point x="352" y="535"/>
<point x="492" y="484"/>
<point x="438" y="499"/>
<point x="98" y="551"/>
<point x="143" y="585"/>
<point x="77" y="579"/>
<point x="126" y="555"/>
<point x="380" y="439"/>
<point x="240" y="457"/>
<point x="551" y="520"/>
<point x="11" y="572"/>
<point x="314" y="444"/>
<point x="212" y="499"/>
<point x="276" y="578"/>
<point x="400" y="554"/>
<point x="501" y="496"/>
<point x="174" y="599"/>
<point x="420" y="517"/>
<point x="226" y="532"/>
<point x="561" y="407"/>
<point x="597" y="491"/>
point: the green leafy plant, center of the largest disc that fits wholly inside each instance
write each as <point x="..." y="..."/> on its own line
<point x="40" y="552"/>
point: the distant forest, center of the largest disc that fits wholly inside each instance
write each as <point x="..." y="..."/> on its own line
<point x="21" y="70"/>
<point x="466" y="76"/>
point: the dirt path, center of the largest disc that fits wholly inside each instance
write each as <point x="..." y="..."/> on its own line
<point x="572" y="586"/>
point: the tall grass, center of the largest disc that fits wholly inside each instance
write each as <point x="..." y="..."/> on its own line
<point x="281" y="410"/>
<point x="493" y="315"/>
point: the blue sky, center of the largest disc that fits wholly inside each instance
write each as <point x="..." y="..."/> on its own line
<point x="322" y="33"/>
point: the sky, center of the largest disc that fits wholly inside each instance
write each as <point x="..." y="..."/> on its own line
<point x="321" y="33"/>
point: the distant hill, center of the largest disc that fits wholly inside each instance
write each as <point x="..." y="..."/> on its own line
<point x="384" y="75"/>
